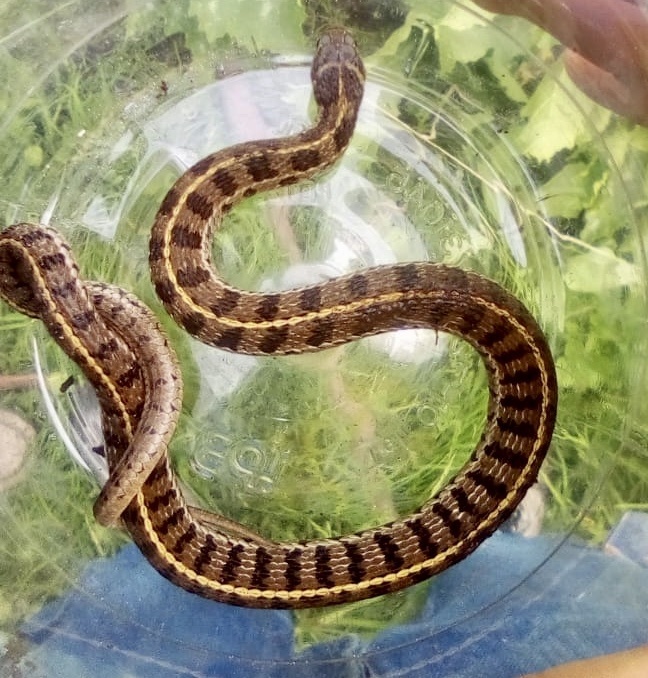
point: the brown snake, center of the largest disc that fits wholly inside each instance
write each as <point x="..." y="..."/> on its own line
<point x="117" y="342"/>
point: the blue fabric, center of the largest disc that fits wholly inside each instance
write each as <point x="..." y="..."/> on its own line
<point x="125" y="620"/>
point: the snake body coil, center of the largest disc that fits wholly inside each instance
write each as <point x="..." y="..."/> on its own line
<point x="118" y="344"/>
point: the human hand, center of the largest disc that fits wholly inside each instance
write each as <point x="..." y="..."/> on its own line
<point x="628" y="664"/>
<point x="607" y="43"/>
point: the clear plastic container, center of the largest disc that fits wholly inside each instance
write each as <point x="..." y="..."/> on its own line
<point x="473" y="148"/>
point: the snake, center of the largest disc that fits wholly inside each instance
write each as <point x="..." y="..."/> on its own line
<point x="119" y="345"/>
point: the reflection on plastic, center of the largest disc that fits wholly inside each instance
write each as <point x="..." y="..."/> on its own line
<point x="248" y="465"/>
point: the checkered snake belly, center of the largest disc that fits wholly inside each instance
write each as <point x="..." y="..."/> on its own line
<point x="119" y="345"/>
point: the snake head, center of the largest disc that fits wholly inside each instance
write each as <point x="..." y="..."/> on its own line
<point x="337" y="71"/>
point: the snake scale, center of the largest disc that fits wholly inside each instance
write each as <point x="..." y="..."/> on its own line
<point x="119" y="345"/>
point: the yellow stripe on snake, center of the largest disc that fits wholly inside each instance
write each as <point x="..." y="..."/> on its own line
<point x="123" y="352"/>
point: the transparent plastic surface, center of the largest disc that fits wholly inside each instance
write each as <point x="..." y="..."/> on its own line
<point x="472" y="148"/>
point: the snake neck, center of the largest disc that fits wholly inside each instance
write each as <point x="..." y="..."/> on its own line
<point x="180" y="246"/>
